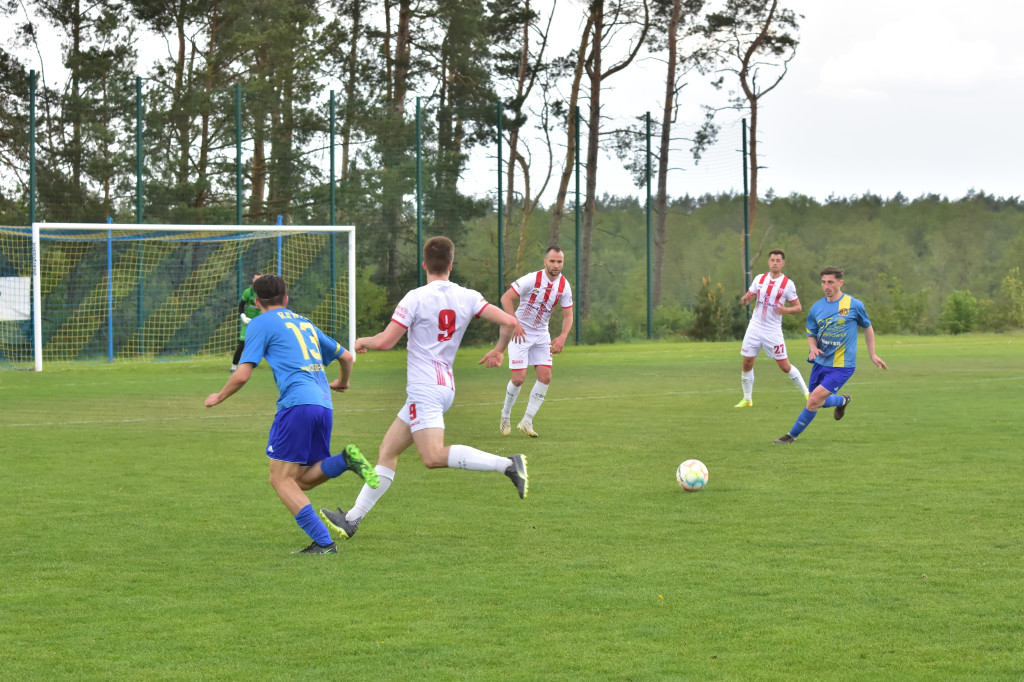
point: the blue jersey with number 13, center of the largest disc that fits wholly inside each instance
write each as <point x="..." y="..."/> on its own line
<point x="297" y="351"/>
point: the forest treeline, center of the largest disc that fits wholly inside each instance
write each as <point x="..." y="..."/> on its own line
<point x="928" y="265"/>
<point x="242" y="112"/>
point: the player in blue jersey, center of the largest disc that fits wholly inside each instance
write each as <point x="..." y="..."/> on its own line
<point x="832" y="337"/>
<point x="300" y="438"/>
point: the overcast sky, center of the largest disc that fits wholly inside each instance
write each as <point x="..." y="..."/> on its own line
<point x="887" y="96"/>
<point x="884" y="96"/>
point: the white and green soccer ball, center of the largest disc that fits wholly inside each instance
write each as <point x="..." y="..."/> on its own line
<point x="692" y="475"/>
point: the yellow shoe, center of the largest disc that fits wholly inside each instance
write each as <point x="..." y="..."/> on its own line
<point x="744" y="403"/>
<point x="527" y="428"/>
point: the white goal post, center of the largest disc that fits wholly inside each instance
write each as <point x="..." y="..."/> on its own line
<point x="105" y="292"/>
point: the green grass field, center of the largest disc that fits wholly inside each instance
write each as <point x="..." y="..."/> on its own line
<point x="140" y="538"/>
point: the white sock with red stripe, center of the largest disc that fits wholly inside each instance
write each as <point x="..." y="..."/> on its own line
<point x="536" y="398"/>
<point x="471" y="459"/>
<point x="511" y="393"/>
<point x="747" y="382"/>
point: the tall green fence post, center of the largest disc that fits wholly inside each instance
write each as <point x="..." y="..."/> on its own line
<point x="238" y="159"/>
<point x="579" y="247"/>
<point x="650" y="237"/>
<point x="419" y="192"/>
<point x="501" y="213"/>
<point x="238" y="190"/>
<point x="32" y="147"/>
<point x="746" y="218"/>
<point x="331" y="235"/>
<point x="138" y="149"/>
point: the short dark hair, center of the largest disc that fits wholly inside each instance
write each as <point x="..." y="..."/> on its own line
<point x="834" y="271"/>
<point x="553" y="247"/>
<point x="438" y="255"/>
<point x="270" y="289"/>
<point x="778" y="251"/>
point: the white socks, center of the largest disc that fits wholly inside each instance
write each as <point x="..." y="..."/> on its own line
<point x="797" y="379"/>
<point x="536" y="398"/>
<point x="511" y="393"/>
<point x="747" y="382"/>
<point x="471" y="459"/>
<point x="368" y="496"/>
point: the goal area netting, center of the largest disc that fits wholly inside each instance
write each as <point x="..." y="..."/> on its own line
<point x="74" y="292"/>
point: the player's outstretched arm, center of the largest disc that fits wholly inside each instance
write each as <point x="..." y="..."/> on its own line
<point x="508" y="304"/>
<point x="345" y="360"/>
<point x="496" y="356"/>
<point x="385" y="340"/>
<point x="235" y="382"/>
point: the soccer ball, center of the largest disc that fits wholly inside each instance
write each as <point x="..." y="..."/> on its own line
<point x="692" y="475"/>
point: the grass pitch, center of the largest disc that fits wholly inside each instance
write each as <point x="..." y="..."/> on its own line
<point x="140" y="539"/>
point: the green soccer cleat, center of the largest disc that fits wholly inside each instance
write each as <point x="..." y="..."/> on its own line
<point x="516" y="471"/>
<point x="314" y="548"/>
<point x="527" y="428"/>
<point x="358" y="464"/>
<point x="744" y="403"/>
<point x="337" y="522"/>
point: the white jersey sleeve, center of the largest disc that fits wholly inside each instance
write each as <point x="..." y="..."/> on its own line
<point x="436" y="317"/>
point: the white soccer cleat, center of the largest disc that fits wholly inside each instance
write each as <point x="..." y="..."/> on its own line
<point x="506" y="426"/>
<point x="527" y="428"/>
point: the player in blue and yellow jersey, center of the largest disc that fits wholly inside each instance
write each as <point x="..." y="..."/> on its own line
<point x="832" y="337"/>
<point x="300" y="438"/>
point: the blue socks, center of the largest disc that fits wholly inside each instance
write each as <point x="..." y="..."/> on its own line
<point x="334" y="466"/>
<point x="805" y="418"/>
<point x="314" y="527"/>
<point x="834" y="400"/>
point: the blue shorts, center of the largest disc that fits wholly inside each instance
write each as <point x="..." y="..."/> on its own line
<point x="301" y="434"/>
<point x="831" y="378"/>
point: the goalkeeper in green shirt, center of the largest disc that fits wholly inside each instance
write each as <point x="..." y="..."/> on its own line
<point x="246" y="311"/>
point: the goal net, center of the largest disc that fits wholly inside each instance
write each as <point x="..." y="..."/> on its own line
<point x="73" y="292"/>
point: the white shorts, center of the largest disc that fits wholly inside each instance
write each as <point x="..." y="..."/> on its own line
<point x="769" y="340"/>
<point x="425" y="406"/>
<point x="534" y="350"/>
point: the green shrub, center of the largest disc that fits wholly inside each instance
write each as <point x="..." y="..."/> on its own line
<point x="959" y="312"/>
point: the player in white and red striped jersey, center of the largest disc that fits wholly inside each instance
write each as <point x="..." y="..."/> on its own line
<point x="436" y="317"/>
<point x="538" y="293"/>
<point x="775" y="296"/>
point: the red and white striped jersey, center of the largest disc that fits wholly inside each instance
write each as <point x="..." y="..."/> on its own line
<point x="538" y="296"/>
<point x="436" y="316"/>
<point x="770" y="293"/>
